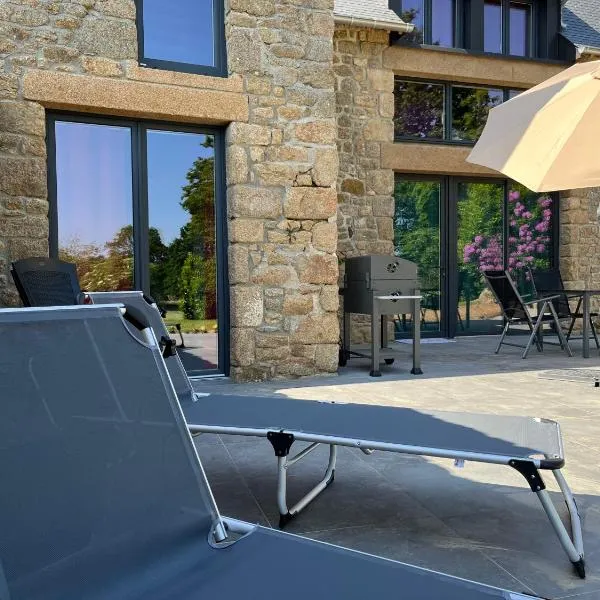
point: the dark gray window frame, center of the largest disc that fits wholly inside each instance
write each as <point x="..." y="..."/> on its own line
<point x="547" y="44"/>
<point x="448" y="237"/>
<point x="428" y="23"/>
<point x="219" y="69"/>
<point x="448" y="85"/>
<point x="138" y="129"/>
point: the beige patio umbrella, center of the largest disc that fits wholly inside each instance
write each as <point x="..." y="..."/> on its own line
<point x="548" y="137"/>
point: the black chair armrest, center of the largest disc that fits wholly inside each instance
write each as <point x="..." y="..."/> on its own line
<point x="541" y="299"/>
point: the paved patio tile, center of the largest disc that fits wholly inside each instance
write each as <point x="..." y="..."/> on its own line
<point x="480" y="522"/>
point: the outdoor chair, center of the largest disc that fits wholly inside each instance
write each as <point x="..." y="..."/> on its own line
<point x="105" y="497"/>
<point x="547" y="281"/>
<point x="522" y="443"/>
<point x="43" y="281"/>
<point x="516" y="311"/>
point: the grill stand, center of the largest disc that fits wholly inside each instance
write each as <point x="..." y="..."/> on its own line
<point x="380" y="350"/>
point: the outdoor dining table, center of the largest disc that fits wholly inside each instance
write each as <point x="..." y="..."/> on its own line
<point x="585" y="295"/>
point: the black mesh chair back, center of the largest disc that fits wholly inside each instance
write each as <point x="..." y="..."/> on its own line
<point x="97" y="467"/>
<point x="506" y="294"/>
<point x="45" y="281"/>
<point x="549" y="282"/>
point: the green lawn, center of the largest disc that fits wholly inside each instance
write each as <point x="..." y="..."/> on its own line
<point x="188" y="325"/>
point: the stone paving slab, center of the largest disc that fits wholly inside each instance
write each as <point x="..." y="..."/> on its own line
<point x="479" y="522"/>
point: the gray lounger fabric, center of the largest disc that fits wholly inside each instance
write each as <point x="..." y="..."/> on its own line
<point x="515" y="437"/>
<point x="104" y="498"/>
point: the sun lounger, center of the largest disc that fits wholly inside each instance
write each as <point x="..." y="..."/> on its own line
<point x="104" y="496"/>
<point x="528" y="445"/>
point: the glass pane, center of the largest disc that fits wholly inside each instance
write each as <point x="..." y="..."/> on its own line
<point x="470" y="108"/>
<point x="412" y="12"/>
<point x="480" y="247"/>
<point x="182" y="236"/>
<point x="417" y="238"/>
<point x="530" y="230"/>
<point x="94" y="195"/>
<point x="179" y="31"/>
<point x="514" y="93"/>
<point x="519" y="29"/>
<point x="492" y="26"/>
<point x="419" y="110"/>
<point x="442" y="23"/>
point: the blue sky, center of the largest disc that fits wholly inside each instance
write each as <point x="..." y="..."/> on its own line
<point x="179" y="31"/>
<point x="94" y="180"/>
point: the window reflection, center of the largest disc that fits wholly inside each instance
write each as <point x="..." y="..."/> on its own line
<point x="519" y="28"/>
<point x="413" y="12"/>
<point x="182" y="240"/>
<point x="419" y="110"/>
<point x="180" y="31"/>
<point x="470" y="108"/>
<point x="442" y="23"/>
<point x="94" y="196"/>
<point x="492" y="26"/>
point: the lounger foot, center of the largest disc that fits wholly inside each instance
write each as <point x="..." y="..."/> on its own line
<point x="416" y="371"/>
<point x="580" y="568"/>
<point x="285" y="519"/>
<point x="375" y="373"/>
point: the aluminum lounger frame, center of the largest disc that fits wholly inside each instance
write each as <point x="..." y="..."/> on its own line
<point x="282" y="439"/>
<point x="80" y="468"/>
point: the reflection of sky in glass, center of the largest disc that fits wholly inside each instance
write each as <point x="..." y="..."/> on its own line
<point x="94" y="183"/>
<point x="179" y="31"/>
<point x="170" y="157"/>
<point x="415" y="7"/>
<point x="519" y="14"/>
<point x="492" y="26"/>
<point x="442" y="23"/>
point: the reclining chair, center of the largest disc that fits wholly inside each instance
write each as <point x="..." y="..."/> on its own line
<point x="104" y="496"/>
<point x="516" y="312"/>
<point x="525" y="444"/>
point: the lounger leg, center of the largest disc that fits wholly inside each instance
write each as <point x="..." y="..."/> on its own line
<point x="375" y="339"/>
<point x="282" y="443"/>
<point x="573" y="546"/>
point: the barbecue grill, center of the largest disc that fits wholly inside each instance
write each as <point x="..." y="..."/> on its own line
<point x="380" y="286"/>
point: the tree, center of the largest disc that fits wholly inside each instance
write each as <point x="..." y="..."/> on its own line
<point x="191" y="285"/>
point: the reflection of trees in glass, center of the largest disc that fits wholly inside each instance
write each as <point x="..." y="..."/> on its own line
<point x="170" y="277"/>
<point x="480" y="221"/>
<point x="417" y="228"/>
<point x="184" y="271"/>
<point x="108" y="268"/>
<point x="419" y="109"/>
<point x="470" y="108"/>
<point x="413" y="14"/>
<point x="529" y="241"/>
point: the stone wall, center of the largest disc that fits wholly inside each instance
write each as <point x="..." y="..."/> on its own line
<point x="282" y="171"/>
<point x="365" y="110"/>
<point x="281" y="165"/>
<point x="580" y="239"/>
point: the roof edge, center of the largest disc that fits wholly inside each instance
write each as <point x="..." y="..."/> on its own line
<point x="400" y="27"/>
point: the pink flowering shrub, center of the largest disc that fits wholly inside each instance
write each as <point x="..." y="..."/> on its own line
<point x="528" y="241"/>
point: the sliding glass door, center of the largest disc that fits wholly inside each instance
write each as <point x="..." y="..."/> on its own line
<point x="134" y="206"/>
<point x="454" y="229"/>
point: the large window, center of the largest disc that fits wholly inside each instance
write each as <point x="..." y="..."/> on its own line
<point x="433" y="20"/>
<point x="454" y="228"/>
<point x="182" y="35"/>
<point x="134" y="206"/>
<point x="443" y="112"/>
<point x="507" y="27"/>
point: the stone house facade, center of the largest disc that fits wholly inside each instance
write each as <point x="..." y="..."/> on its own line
<point x="306" y="109"/>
